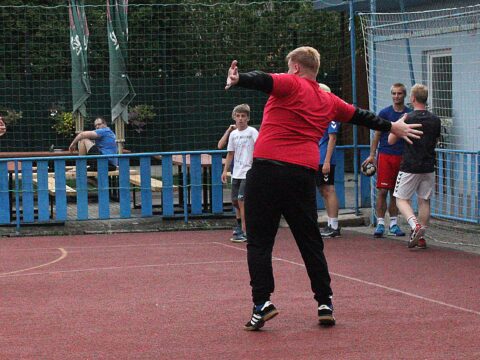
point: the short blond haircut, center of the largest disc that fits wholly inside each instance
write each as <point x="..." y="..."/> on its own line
<point x="242" y="108"/>
<point x="306" y="56"/>
<point x="420" y="93"/>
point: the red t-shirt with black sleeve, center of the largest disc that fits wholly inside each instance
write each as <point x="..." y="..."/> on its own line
<point x="295" y="117"/>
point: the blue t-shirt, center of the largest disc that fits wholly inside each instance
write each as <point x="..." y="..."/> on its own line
<point x="333" y="128"/>
<point x="106" y="143"/>
<point x="391" y="115"/>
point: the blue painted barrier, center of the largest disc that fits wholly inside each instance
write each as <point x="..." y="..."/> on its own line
<point x="26" y="193"/>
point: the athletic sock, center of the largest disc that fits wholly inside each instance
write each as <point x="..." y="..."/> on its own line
<point x="329" y="221"/>
<point x="334" y="224"/>
<point x="381" y="221"/>
<point x="393" y="221"/>
<point x="412" y="221"/>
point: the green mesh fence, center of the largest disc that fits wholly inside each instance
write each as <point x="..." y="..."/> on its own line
<point x="178" y="55"/>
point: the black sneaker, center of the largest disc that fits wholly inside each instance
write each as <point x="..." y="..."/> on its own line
<point x="267" y="312"/>
<point x="330" y="232"/>
<point x="325" y="315"/>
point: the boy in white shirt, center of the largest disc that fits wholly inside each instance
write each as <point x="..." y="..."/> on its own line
<point x="240" y="148"/>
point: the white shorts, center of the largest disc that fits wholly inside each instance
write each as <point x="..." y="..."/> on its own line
<point x="408" y="184"/>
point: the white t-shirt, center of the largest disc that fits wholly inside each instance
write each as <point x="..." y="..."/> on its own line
<point x="242" y="143"/>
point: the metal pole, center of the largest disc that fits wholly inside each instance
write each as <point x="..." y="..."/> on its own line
<point x="120" y="133"/>
<point x="373" y="78"/>
<point x="409" y="51"/>
<point x="354" y="101"/>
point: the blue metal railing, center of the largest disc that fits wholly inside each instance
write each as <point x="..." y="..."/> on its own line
<point x="457" y="191"/>
<point x="36" y="190"/>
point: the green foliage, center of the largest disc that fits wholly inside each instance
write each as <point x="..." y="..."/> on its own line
<point x="139" y="115"/>
<point x="10" y="116"/>
<point x="64" y="124"/>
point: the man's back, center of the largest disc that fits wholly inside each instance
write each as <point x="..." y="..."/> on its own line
<point x="295" y="118"/>
<point x="419" y="157"/>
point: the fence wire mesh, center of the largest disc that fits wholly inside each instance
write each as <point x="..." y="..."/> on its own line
<point x="178" y="55"/>
<point x="439" y="48"/>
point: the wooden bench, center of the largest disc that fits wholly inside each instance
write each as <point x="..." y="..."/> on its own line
<point x="156" y="185"/>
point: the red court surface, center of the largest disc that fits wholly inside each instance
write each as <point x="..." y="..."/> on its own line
<point x="186" y="295"/>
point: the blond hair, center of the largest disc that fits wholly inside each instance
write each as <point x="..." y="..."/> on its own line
<point x="306" y="56"/>
<point x="420" y="93"/>
<point x="242" y="108"/>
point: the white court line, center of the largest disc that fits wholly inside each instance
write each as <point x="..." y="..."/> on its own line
<point x="121" y="268"/>
<point x="371" y="284"/>
<point x="62" y="256"/>
<point x="95" y="247"/>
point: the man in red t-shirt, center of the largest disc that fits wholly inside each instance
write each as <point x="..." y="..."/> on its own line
<point x="282" y="178"/>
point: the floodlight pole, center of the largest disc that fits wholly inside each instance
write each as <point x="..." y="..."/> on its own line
<point x="354" y="101"/>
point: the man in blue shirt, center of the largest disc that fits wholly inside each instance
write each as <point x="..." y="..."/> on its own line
<point x="325" y="177"/>
<point x="388" y="163"/>
<point x="101" y="141"/>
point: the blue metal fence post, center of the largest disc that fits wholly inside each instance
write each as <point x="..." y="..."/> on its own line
<point x="146" y="185"/>
<point x="42" y="191"/>
<point x="196" y="183"/>
<point x="217" y="185"/>
<point x="60" y="191"/>
<point x="167" y="191"/>
<point x="82" y="188"/>
<point x="478" y="188"/>
<point x="124" y="188"/>
<point x="103" y="189"/>
<point x="5" y="205"/>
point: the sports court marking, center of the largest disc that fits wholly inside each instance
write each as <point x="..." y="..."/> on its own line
<point x="119" y="268"/>
<point x="96" y="247"/>
<point x="371" y="284"/>
<point x="63" y="255"/>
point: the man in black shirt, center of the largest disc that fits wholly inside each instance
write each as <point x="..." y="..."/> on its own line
<point x="417" y="170"/>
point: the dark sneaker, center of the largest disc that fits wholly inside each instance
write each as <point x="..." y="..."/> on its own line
<point x="379" y="230"/>
<point x="325" y="315"/>
<point x="330" y="232"/>
<point x="417" y="233"/>
<point x="395" y="231"/>
<point x="239" y="238"/>
<point x="237" y="230"/>
<point x="266" y="312"/>
<point x="422" y="244"/>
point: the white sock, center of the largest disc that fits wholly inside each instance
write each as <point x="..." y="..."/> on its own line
<point x="329" y="221"/>
<point x="381" y="221"/>
<point x="334" y="223"/>
<point x="393" y="221"/>
<point x="412" y="221"/>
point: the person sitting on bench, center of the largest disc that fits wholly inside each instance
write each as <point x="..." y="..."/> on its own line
<point x="101" y="141"/>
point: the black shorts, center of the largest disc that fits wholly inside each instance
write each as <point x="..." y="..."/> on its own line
<point x="94" y="150"/>
<point x="327" y="179"/>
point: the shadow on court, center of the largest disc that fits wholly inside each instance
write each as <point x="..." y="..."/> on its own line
<point x="186" y="295"/>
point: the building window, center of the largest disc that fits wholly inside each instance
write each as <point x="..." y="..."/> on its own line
<point x="439" y="76"/>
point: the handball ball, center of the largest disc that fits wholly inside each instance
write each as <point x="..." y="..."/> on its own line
<point x="369" y="169"/>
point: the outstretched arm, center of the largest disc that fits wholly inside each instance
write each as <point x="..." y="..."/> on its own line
<point x="398" y="128"/>
<point x="256" y="80"/>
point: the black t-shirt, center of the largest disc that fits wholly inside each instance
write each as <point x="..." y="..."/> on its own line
<point x="419" y="157"/>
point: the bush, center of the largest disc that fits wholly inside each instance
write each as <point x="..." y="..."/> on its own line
<point x="139" y="115"/>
